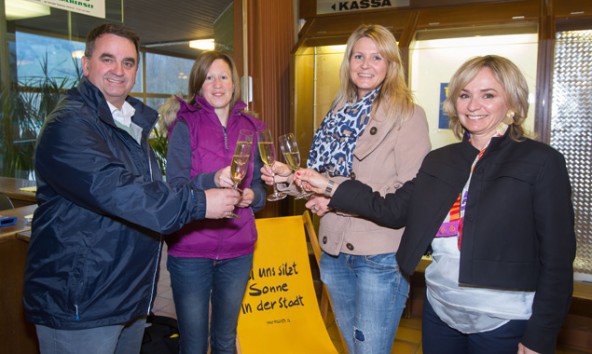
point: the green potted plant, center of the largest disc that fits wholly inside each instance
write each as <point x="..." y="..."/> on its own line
<point x="24" y="108"/>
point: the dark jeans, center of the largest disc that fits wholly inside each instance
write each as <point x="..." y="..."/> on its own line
<point x="196" y="282"/>
<point x="439" y="338"/>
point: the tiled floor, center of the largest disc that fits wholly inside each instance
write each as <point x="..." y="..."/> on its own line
<point x="408" y="340"/>
<point x="164" y="305"/>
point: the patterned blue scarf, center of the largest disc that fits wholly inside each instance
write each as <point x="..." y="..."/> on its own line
<point x="335" y="140"/>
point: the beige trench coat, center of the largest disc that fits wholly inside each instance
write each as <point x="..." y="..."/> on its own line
<point x="385" y="157"/>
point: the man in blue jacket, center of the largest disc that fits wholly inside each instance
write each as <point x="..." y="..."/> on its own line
<point x="93" y="258"/>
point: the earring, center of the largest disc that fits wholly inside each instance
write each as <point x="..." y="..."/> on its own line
<point x="509" y="117"/>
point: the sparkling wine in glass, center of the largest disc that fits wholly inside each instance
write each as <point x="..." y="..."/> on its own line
<point x="240" y="160"/>
<point x="267" y="152"/>
<point x="289" y="147"/>
<point x="240" y="164"/>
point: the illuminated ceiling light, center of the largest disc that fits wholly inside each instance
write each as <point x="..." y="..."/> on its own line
<point x="78" y="54"/>
<point x="203" y="44"/>
<point x="577" y="13"/>
<point x="19" y="9"/>
<point x="517" y="17"/>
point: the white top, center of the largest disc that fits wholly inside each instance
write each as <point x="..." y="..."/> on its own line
<point x="469" y="309"/>
<point x="123" y="119"/>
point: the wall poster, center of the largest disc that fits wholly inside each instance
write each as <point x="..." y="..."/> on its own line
<point x="280" y="311"/>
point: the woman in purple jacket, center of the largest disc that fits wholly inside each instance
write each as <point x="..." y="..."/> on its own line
<point x="210" y="261"/>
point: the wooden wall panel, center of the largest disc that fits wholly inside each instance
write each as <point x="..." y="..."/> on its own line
<point x="336" y="29"/>
<point x="572" y="8"/>
<point x="478" y="14"/>
<point x="17" y="334"/>
<point x="270" y="43"/>
<point x="542" y="123"/>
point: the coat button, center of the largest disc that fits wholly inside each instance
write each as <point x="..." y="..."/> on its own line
<point x="373" y="130"/>
<point x="350" y="246"/>
<point x="324" y="240"/>
<point x="352" y="176"/>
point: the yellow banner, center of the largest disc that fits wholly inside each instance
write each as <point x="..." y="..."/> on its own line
<point x="280" y="312"/>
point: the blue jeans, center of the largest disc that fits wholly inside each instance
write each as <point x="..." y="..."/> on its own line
<point x="368" y="294"/>
<point x="439" y="338"/>
<point x="118" y="339"/>
<point x="196" y="282"/>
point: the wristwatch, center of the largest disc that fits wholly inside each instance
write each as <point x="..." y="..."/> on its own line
<point x="329" y="188"/>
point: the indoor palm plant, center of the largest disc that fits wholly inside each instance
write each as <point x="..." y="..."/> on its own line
<point x="24" y="108"/>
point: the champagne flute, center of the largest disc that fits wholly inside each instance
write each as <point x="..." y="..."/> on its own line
<point x="240" y="161"/>
<point x="289" y="147"/>
<point x="267" y="152"/>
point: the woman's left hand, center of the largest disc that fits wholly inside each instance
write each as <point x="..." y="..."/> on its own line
<point x="311" y="180"/>
<point x="246" y="198"/>
<point x="318" y="204"/>
<point x="277" y="173"/>
<point x="524" y="350"/>
<point x="222" y="178"/>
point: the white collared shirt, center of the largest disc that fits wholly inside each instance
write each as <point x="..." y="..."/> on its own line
<point x="470" y="309"/>
<point x="123" y="118"/>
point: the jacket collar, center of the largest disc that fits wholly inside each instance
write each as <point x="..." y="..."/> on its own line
<point x="496" y="141"/>
<point x="145" y="117"/>
<point x="202" y="104"/>
<point x="499" y="142"/>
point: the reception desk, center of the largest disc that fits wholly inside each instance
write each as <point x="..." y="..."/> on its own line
<point x="12" y="187"/>
<point x="17" y="335"/>
<point x="21" y="224"/>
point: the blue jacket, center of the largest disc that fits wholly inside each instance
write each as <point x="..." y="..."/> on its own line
<point x="199" y="146"/>
<point x="94" y="254"/>
<point x="518" y="228"/>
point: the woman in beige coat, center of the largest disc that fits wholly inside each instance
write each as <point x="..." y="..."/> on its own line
<point x="376" y="134"/>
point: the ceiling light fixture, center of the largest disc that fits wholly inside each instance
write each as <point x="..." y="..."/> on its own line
<point x="78" y="54"/>
<point x="203" y="44"/>
<point x="20" y="9"/>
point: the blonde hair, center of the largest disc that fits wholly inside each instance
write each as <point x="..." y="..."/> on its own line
<point x="509" y="77"/>
<point x="167" y="113"/>
<point x="394" y="94"/>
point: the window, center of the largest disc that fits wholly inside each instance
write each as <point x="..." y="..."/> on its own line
<point x="45" y="67"/>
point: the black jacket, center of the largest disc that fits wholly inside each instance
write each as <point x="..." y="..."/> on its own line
<point x="518" y="226"/>
<point x="94" y="254"/>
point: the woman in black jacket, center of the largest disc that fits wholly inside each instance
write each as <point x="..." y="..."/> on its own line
<point x="496" y="211"/>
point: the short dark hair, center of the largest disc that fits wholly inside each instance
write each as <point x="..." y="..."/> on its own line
<point x="110" y="28"/>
